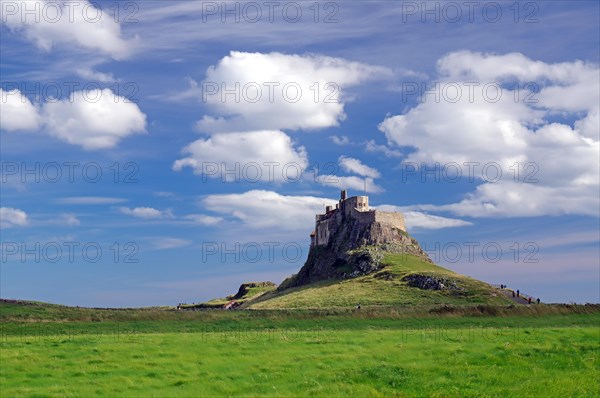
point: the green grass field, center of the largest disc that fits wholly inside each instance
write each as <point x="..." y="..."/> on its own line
<point x="530" y="351"/>
<point x="310" y="341"/>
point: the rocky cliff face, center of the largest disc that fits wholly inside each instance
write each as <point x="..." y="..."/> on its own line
<point x="354" y="249"/>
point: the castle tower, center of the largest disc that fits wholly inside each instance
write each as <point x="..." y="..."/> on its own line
<point x="355" y="208"/>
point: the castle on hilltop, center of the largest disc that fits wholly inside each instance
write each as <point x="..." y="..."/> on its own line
<point x="355" y="208"/>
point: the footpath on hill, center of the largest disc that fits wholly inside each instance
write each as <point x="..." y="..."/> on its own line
<point x="519" y="300"/>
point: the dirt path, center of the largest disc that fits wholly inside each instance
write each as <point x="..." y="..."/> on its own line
<point x="519" y="300"/>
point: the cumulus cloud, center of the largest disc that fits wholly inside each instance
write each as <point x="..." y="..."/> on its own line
<point x="94" y="119"/>
<point x="280" y="91"/>
<point x="17" y="113"/>
<point x="513" y="199"/>
<point x="352" y="165"/>
<point x="146" y="212"/>
<point x="266" y="155"/>
<point x="511" y="132"/>
<point x="11" y="217"/>
<point x="259" y="209"/>
<point x="47" y="23"/>
<point x="94" y="124"/>
<point x="420" y="220"/>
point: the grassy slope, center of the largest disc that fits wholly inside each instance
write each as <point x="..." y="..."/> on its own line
<point x="383" y="288"/>
<point x="27" y="311"/>
<point x="18" y="319"/>
<point x="252" y="293"/>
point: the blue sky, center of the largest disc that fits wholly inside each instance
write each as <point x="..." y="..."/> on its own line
<point x="505" y="93"/>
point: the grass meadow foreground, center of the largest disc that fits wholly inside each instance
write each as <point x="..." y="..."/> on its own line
<point x="480" y="351"/>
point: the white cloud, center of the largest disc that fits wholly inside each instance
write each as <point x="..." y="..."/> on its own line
<point x="251" y="153"/>
<point x="202" y="219"/>
<point x="350" y="182"/>
<point x="342" y="140"/>
<point x="146" y="212"/>
<point x="11" y="217"/>
<point x="352" y="165"/>
<point x="419" y="220"/>
<point x="588" y="126"/>
<point x="521" y="200"/>
<point x="258" y="209"/>
<point x="90" y="74"/>
<point x="365" y="181"/>
<point x="89" y="200"/>
<point x="47" y="23"/>
<point x="17" y="113"/>
<point x="94" y="119"/>
<point x="371" y="146"/>
<point x="415" y="219"/>
<point x="275" y="91"/>
<point x="474" y="128"/>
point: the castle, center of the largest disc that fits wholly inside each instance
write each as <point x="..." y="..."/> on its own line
<point x="355" y="208"/>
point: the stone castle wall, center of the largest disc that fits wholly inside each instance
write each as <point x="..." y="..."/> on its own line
<point x="356" y="202"/>
<point x="363" y="217"/>
<point x="391" y="218"/>
<point x="322" y="232"/>
<point x="368" y="217"/>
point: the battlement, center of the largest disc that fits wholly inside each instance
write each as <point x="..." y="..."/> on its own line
<point x="356" y="208"/>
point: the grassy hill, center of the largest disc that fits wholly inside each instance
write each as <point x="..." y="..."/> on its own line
<point x="246" y="292"/>
<point x="392" y="285"/>
<point x="29" y="311"/>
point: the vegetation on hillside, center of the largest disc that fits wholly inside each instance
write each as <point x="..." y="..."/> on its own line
<point x="246" y="292"/>
<point x="390" y="285"/>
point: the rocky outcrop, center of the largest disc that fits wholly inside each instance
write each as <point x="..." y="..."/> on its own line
<point x="354" y="249"/>
<point x="428" y="282"/>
